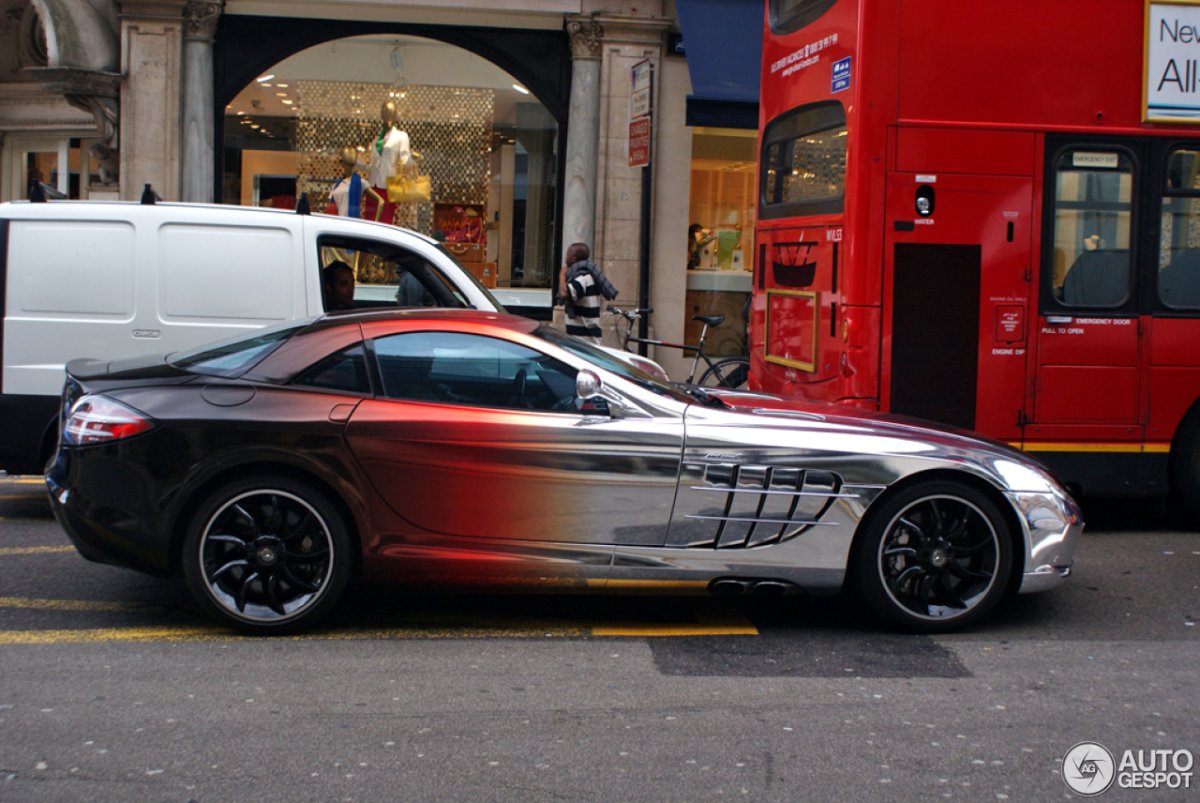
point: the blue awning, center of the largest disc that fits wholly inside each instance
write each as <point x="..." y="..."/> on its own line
<point x="723" y="43"/>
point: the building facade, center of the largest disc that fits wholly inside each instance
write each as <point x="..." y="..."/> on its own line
<point x="515" y="114"/>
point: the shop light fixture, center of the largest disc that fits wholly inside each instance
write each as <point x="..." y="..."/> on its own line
<point x="520" y="89"/>
<point x="286" y="102"/>
<point x="266" y="77"/>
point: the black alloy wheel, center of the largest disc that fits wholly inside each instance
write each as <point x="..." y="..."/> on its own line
<point x="267" y="555"/>
<point x="937" y="556"/>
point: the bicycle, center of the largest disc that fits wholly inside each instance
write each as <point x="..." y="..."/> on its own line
<point x="727" y="372"/>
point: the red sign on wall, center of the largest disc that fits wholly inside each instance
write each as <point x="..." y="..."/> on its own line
<point x="639" y="142"/>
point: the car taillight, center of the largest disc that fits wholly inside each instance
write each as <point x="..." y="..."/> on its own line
<point x="98" y="419"/>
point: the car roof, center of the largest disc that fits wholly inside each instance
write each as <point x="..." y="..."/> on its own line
<point x="429" y="314"/>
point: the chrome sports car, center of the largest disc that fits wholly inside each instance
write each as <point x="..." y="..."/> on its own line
<point x="470" y="448"/>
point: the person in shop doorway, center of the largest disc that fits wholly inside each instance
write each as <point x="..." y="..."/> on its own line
<point x="337" y="281"/>
<point x="581" y="285"/>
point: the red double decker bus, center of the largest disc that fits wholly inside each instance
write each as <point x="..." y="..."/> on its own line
<point x="988" y="214"/>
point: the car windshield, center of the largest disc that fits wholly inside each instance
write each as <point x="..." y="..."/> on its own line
<point x="612" y="363"/>
<point x="235" y="356"/>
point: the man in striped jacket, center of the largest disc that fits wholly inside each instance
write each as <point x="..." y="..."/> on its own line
<point x="582" y="284"/>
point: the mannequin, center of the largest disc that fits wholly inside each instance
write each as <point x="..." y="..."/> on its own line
<point x="389" y="153"/>
<point x="346" y="197"/>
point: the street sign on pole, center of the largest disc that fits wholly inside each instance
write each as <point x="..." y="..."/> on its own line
<point x="641" y="89"/>
<point x="639" y="142"/>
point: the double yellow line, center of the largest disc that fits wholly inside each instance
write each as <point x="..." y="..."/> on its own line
<point x="730" y="625"/>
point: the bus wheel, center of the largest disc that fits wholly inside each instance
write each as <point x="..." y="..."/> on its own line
<point x="1185" y="469"/>
<point x="935" y="557"/>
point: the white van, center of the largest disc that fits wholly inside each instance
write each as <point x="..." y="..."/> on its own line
<point x="115" y="280"/>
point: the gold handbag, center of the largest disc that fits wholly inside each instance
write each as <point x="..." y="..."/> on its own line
<point x="408" y="189"/>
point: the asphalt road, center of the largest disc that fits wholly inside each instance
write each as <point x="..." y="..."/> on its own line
<point x="113" y="687"/>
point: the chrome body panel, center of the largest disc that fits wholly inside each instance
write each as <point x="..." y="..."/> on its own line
<point x="1053" y="525"/>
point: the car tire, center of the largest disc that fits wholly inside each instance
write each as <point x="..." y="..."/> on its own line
<point x="268" y="555"/>
<point x="933" y="558"/>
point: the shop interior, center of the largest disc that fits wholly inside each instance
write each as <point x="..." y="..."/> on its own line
<point x="476" y="160"/>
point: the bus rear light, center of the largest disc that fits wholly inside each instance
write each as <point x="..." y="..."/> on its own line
<point x="98" y="419"/>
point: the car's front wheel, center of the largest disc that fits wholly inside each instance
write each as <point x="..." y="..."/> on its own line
<point x="935" y="557"/>
<point x="267" y="555"/>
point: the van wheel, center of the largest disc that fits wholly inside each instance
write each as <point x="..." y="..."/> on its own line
<point x="267" y="555"/>
<point x="935" y="557"/>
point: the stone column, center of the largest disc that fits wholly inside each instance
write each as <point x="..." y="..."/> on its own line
<point x="199" y="27"/>
<point x="583" y="132"/>
<point x="151" y="68"/>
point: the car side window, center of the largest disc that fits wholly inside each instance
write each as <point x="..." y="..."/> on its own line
<point x="473" y="370"/>
<point x="345" y="371"/>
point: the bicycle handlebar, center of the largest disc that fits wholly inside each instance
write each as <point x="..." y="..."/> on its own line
<point x="630" y="314"/>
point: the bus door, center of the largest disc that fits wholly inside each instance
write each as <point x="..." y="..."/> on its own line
<point x="957" y="298"/>
<point x="1086" y="418"/>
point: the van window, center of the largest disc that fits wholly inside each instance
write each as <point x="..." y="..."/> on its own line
<point x="81" y="267"/>
<point x="386" y="275"/>
<point x="222" y="272"/>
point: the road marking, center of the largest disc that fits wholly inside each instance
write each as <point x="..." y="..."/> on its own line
<point x="34" y="550"/>
<point x="23" y="497"/>
<point x="204" y="634"/>
<point x="32" y="604"/>
<point x="667" y="631"/>
<point x="727" y="626"/>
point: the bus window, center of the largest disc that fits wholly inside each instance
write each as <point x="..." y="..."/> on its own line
<point x="792" y="15"/>
<point x="1179" y="237"/>
<point x="1093" y="210"/>
<point x="804" y="162"/>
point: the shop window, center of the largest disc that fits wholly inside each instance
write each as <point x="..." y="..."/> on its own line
<point x="472" y="164"/>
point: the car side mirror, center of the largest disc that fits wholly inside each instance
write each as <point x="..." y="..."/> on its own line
<point x="595" y="399"/>
<point x="587" y="385"/>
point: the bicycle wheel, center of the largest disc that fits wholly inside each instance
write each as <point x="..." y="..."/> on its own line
<point x="731" y="372"/>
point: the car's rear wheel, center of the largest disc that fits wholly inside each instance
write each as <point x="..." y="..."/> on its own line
<point x="267" y="555"/>
<point x="935" y="557"/>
